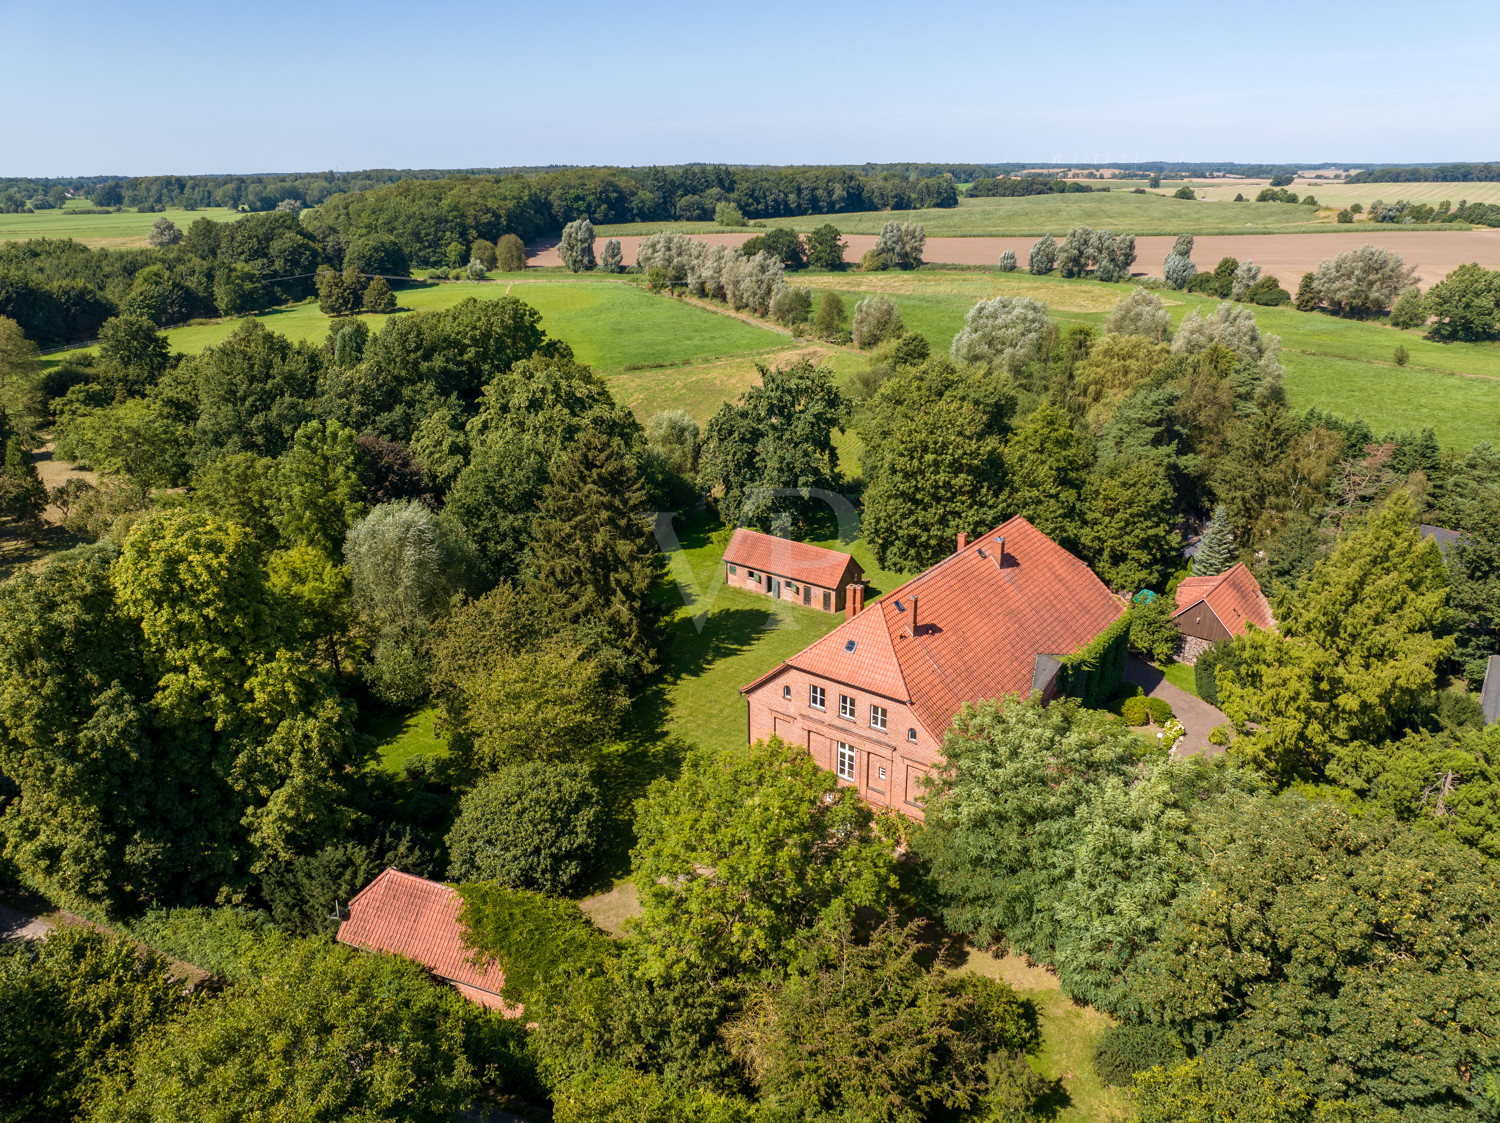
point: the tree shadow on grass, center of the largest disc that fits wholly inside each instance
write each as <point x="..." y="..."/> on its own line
<point x="646" y="748"/>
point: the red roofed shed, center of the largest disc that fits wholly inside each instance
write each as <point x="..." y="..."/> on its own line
<point x="790" y="571"/>
<point x="1218" y="607"/>
<point x="416" y="918"/>
<point x="873" y="698"/>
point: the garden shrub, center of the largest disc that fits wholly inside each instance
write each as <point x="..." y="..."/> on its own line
<point x="1134" y="711"/>
<point x="533" y="826"/>
<point x="1221" y="654"/>
<point x="1220" y="735"/>
<point x="1159" y="709"/>
<point x="1122" y="1051"/>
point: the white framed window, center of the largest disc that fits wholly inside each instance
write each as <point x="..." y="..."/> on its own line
<point x="846" y="706"/>
<point x="846" y="762"/>
<point x="786" y="691"/>
<point x="881" y="770"/>
<point x="750" y="573"/>
<point x="817" y="697"/>
<point x="911" y="734"/>
<point x="877" y="717"/>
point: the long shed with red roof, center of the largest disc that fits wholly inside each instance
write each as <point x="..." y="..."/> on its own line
<point x="410" y="916"/>
<point x="1219" y="607"/>
<point x="872" y="699"/>
<point x="790" y="571"/>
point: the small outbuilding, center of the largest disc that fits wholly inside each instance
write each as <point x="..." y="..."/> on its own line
<point x="1220" y="607"/>
<point x="790" y="571"/>
<point x="401" y="914"/>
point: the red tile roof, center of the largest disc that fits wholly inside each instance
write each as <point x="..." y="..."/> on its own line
<point x="417" y="918"/>
<point x="798" y="561"/>
<point x="980" y="626"/>
<point x="1234" y="596"/>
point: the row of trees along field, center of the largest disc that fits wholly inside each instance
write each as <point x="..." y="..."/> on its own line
<point x="452" y="510"/>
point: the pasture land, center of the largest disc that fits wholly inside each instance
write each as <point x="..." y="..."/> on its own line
<point x="1122" y="211"/>
<point x="125" y="230"/>
<point x="1343" y="194"/>
<point x="1343" y="366"/>
<point x="659" y="353"/>
<point x="610" y="325"/>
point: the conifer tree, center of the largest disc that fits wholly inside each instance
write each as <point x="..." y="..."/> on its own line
<point x="22" y="495"/>
<point x="594" y="561"/>
<point x="1216" y="551"/>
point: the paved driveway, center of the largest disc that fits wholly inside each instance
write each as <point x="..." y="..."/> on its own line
<point x="16" y="925"/>
<point x="1196" y="715"/>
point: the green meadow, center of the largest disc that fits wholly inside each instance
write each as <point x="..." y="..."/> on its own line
<point x="1149" y="213"/>
<point x="1343" y="366"/>
<point x="662" y="353"/>
<point x="115" y="231"/>
<point x="610" y="325"/>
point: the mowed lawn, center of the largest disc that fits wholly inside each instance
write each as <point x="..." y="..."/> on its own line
<point x="115" y="231"/>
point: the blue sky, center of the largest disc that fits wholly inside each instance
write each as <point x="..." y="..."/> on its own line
<point x="120" y="88"/>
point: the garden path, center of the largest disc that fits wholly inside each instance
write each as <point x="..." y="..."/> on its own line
<point x="1196" y="715"/>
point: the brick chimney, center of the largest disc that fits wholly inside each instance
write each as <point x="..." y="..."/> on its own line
<point x="963" y="540"/>
<point x="854" y="600"/>
<point x="913" y="602"/>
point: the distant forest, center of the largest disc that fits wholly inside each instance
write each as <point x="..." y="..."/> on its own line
<point x="1442" y="173"/>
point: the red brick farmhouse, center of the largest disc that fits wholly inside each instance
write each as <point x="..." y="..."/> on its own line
<point x="1215" y="608"/>
<point x="790" y="571"/>
<point x="872" y="699"/>
<point x="411" y="916"/>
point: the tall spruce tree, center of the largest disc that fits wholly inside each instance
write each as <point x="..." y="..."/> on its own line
<point x="1216" y="551"/>
<point x="593" y="559"/>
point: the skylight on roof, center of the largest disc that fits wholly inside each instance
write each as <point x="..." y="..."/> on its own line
<point x="849" y="646"/>
<point x="900" y="607"/>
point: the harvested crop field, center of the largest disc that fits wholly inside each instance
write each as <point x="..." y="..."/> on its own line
<point x="1435" y="253"/>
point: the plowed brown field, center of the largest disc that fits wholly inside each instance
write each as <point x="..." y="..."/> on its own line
<point x="1286" y="256"/>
